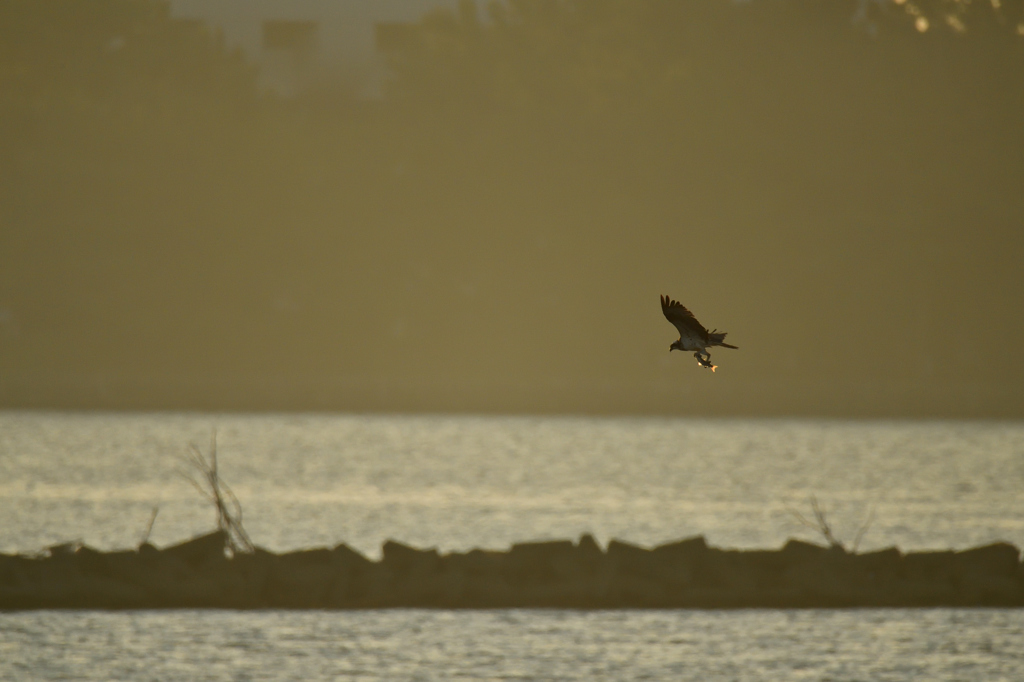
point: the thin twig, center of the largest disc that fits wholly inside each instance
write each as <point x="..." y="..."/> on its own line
<point x="218" y="493"/>
<point x="863" y="529"/>
<point x="149" y="527"/>
<point x="820" y="523"/>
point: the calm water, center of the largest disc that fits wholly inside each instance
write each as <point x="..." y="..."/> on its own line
<point x="460" y="482"/>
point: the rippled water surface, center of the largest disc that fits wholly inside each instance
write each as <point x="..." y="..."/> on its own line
<point x="934" y="645"/>
<point x="461" y="482"/>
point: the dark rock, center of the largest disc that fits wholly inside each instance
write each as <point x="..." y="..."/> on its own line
<point x="87" y="559"/>
<point x="406" y="576"/>
<point x="686" y="550"/>
<point x="737" y="571"/>
<point x="243" y="579"/>
<point x="988" y="575"/>
<point x="911" y="593"/>
<point x="872" y="575"/>
<point x="831" y="576"/>
<point x="761" y="560"/>
<point x="121" y="564"/>
<point x="402" y="559"/>
<point x="929" y="566"/>
<point x="7" y="569"/>
<point x="163" y="580"/>
<point x="375" y="588"/>
<point x="540" y="562"/>
<point x="589" y="558"/>
<point x="688" y="573"/>
<point x="636" y="591"/>
<point x="96" y="591"/>
<point x="474" y="562"/>
<point x="747" y="572"/>
<point x="171" y="582"/>
<point x="643" y="578"/>
<point x="554" y="562"/>
<point x="302" y="579"/>
<point x="349" y="559"/>
<point x="557" y="573"/>
<point x="199" y="549"/>
<point x="475" y="579"/>
<point x="317" y="555"/>
<point x="350" y="586"/>
<point x="126" y="566"/>
<point x="1000" y="558"/>
<point x="588" y="549"/>
<point x="637" y="577"/>
<point x="64" y="548"/>
<point x="22" y="578"/>
<point x="882" y="562"/>
<point x="924" y="579"/>
<point x="681" y="564"/>
<point x="631" y="559"/>
<point x="57" y="581"/>
<point x="989" y="589"/>
<point x="489" y="590"/>
<point x="796" y="551"/>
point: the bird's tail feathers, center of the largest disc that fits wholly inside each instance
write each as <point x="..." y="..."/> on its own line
<point x="717" y="338"/>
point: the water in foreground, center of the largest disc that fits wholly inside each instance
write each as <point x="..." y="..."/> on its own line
<point x="458" y="483"/>
<point x="936" y="645"/>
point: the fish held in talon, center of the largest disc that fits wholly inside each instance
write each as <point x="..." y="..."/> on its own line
<point x="692" y="334"/>
<point x="706" y="364"/>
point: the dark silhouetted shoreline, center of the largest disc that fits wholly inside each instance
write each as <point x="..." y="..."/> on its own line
<point x="553" y="574"/>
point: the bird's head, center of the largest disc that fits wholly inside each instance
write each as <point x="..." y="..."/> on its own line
<point x="675" y="346"/>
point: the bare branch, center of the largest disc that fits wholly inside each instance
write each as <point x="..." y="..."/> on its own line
<point x="224" y="500"/>
<point x="863" y="529"/>
<point x="149" y="526"/>
<point x="820" y="523"/>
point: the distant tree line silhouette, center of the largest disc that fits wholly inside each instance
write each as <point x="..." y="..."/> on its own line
<point x="159" y="217"/>
<point x="87" y="55"/>
<point x="590" y="53"/>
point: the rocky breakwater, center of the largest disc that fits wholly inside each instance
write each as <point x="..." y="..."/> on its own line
<point x="199" y="573"/>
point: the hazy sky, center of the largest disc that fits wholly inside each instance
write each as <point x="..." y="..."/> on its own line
<point x="494" y="234"/>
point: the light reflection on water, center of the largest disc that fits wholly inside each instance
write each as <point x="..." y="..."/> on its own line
<point x="462" y="482"/>
<point x="878" y="645"/>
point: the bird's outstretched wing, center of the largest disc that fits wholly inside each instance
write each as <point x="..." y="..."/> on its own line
<point x="683" y="319"/>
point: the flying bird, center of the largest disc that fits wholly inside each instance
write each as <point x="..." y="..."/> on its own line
<point x="692" y="334"/>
